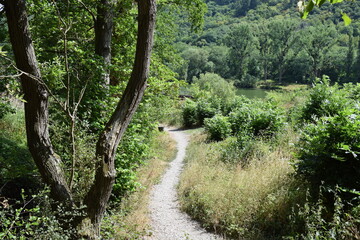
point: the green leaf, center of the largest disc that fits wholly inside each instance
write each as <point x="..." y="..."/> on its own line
<point x="335" y="1"/>
<point x="321" y="2"/>
<point x="307" y="9"/>
<point x="346" y="18"/>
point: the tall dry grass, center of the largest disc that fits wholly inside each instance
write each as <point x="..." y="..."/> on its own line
<point x="251" y="202"/>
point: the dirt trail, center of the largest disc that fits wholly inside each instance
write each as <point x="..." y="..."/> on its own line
<point x="168" y="222"/>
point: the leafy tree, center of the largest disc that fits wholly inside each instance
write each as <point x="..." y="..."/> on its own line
<point x="215" y="86"/>
<point x="264" y="40"/>
<point x="197" y="62"/>
<point x="74" y="57"/>
<point x="218" y="55"/>
<point x="240" y="42"/>
<point x="284" y="37"/>
<point x="317" y="42"/>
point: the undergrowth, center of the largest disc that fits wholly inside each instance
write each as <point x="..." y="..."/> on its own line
<point x="251" y="201"/>
<point x="131" y="220"/>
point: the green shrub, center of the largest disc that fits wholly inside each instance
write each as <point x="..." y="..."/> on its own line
<point x="247" y="82"/>
<point x="218" y="127"/>
<point x="189" y="113"/>
<point x="5" y="108"/>
<point x="205" y="109"/>
<point x="329" y="149"/>
<point x="133" y="151"/>
<point x="256" y="118"/>
<point x="314" y="221"/>
<point x="324" y="100"/>
<point x="32" y="218"/>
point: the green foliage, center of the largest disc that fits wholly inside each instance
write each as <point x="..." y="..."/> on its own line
<point x="305" y="9"/>
<point x="330" y="142"/>
<point x="324" y="100"/>
<point x="329" y="149"/>
<point x="240" y="42"/>
<point x="132" y="153"/>
<point x="317" y="222"/>
<point x="205" y="109"/>
<point x="15" y="158"/>
<point x="30" y="218"/>
<point x="197" y="60"/>
<point x="281" y="46"/>
<point x="5" y="108"/>
<point x="218" y="127"/>
<point x="256" y="118"/>
<point x="215" y="86"/>
<point x="189" y="113"/>
<point x="247" y="82"/>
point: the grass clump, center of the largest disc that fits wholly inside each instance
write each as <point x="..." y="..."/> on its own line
<point x="251" y="201"/>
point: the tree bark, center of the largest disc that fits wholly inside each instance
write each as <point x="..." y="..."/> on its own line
<point x="36" y="105"/>
<point x="103" y="33"/>
<point x="108" y="142"/>
<point x="36" y="110"/>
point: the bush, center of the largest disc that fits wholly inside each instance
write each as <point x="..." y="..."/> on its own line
<point x="329" y="150"/>
<point x="218" y="127"/>
<point x="5" y="108"/>
<point x="205" y="109"/>
<point x="31" y="218"/>
<point x="313" y="221"/>
<point x="256" y="118"/>
<point x="189" y="113"/>
<point x="247" y="82"/>
<point x="324" y="100"/>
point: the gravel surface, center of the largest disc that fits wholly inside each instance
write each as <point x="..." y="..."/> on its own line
<point x="168" y="222"/>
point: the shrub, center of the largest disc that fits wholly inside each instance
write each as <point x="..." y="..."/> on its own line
<point x="189" y="113"/>
<point x="5" y="108"/>
<point x="256" y="118"/>
<point x="324" y="100"/>
<point x="218" y="127"/>
<point x="31" y="218"/>
<point x="313" y="221"/>
<point x="215" y="86"/>
<point x="205" y="109"/>
<point x="329" y="150"/>
<point x="247" y="82"/>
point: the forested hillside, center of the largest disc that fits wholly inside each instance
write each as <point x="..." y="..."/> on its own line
<point x="251" y="42"/>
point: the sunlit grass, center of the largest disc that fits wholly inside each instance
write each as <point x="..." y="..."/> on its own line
<point x="251" y="202"/>
<point x="131" y="220"/>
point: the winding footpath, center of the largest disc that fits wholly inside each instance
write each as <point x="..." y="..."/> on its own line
<point x="168" y="222"/>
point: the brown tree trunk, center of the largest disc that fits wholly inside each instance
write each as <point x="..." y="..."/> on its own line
<point x="36" y="111"/>
<point x="108" y="142"/>
<point x="103" y="32"/>
<point x="36" y="105"/>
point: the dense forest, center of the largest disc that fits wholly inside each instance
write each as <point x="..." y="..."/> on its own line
<point x="81" y="104"/>
<point x="251" y="42"/>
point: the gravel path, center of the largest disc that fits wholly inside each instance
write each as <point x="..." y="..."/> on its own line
<point x="168" y="222"/>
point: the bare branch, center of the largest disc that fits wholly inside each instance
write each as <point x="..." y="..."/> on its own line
<point x="88" y="10"/>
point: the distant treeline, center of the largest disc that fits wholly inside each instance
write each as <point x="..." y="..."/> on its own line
<point x="250" y="41"/>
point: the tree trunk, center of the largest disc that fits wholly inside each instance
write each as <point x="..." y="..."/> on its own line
<point x="36" y="105"/>
<point x="103" y="32"/>
<point x="108" y="142"/>
<point x="36" y="111"/>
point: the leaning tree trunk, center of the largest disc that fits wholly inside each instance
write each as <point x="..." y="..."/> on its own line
<point x="36" y="101"/>
<point x="108" y="142"/>
<point x="36" y="111"/>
